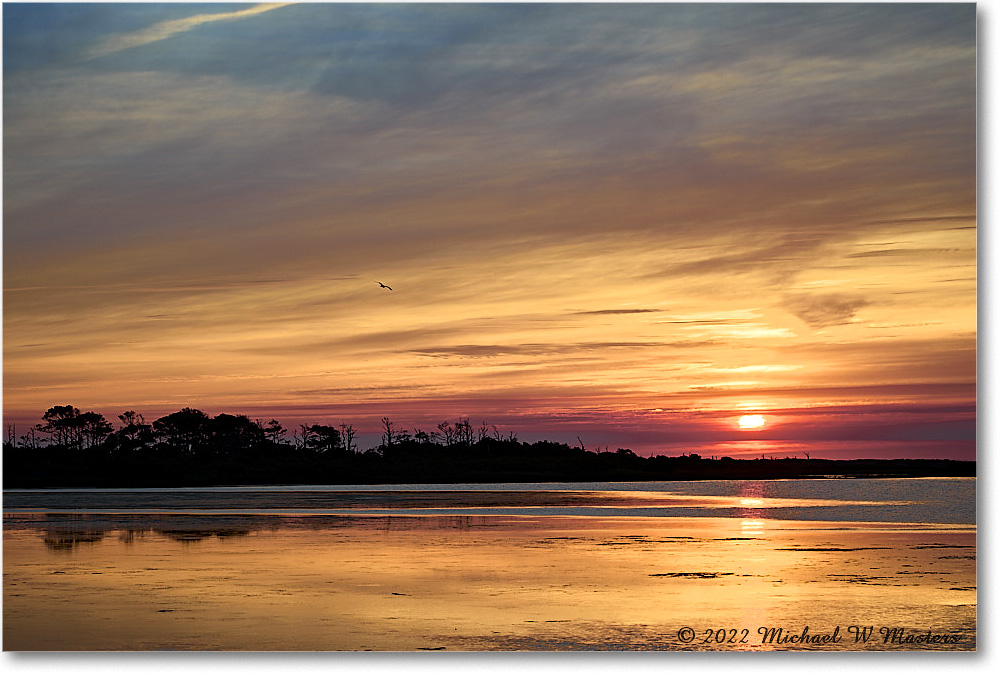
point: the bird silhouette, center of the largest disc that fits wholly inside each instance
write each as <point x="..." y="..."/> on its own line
<point x="383" y="285"/>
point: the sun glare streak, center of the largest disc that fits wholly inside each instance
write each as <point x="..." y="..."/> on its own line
<point x="751" y="421"/>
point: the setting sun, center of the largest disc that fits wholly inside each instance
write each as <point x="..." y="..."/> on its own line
<point x="751" y="422"/>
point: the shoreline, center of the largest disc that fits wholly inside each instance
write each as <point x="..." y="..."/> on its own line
<point x="188" y="472"/>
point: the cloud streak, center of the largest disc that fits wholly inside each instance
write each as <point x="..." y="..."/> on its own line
<point x="599" y="312"/>
<point x="488" y="351"/>
<point x="168" y="29"/>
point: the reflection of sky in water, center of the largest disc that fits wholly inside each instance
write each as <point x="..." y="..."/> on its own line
<point x="405" y="583"/>
<point x="486" y="567"/>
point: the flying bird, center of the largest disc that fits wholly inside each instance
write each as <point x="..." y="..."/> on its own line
<point x="383" y="285"/>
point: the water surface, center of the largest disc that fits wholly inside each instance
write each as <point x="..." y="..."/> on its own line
<point x="484" y="567"/>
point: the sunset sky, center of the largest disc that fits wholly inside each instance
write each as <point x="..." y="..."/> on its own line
<point x="627" y="224"/>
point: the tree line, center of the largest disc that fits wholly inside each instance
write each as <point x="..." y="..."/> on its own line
<point x="74" y="448"/>
<point x="189" y="447"/>
<point x="191" y="430"/>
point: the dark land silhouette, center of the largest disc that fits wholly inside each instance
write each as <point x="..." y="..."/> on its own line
<point x="189" y="448"/>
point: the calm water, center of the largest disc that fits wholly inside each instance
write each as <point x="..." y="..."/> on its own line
<point x="715" y="565"/>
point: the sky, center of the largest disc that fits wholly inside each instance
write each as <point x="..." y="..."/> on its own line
<point x="615" y="225"/>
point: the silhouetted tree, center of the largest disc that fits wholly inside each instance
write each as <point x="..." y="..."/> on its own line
<point x="463" y="431"/>
<point x="183" y="430"/>
<point x="70" y="428"/>
<point x="134" y="431"/>
<point x="447" y="432"/>
<point x="30" y="440"/>
<point x="322" y="438"/>
<point x="233" y="433"/>
<point x="388" y="433"/>
<point x="63" y="425"/>
<point x="94" y="428"/>
<point x="303" y="436"/>
<point x="274" y="431"/>
<point x="347" y="432"/>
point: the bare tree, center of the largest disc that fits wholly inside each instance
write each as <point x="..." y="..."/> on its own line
<point x="304" y="437"/>
<point x="30" y="440"/>
<point x="389" y="434"/>
<point x="463" y="431"/>
<point x="348" y="432"/>
<point x="483" y="432"/>
<point x="447" y="432"/>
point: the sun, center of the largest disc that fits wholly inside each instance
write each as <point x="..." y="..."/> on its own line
<point x="752" y="421"/>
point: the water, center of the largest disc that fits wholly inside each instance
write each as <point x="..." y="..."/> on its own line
<point x="551" y="566"/>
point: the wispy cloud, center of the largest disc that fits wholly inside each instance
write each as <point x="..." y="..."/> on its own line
<point x="207" y="285"/>
<point x="167" y="29"/>
<point x="897" y="252"/>
<point x="825" y="310"/>
<point x="617" y="311"/>
<point x="789" y="249"/>
<point x="480" y="351"/>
